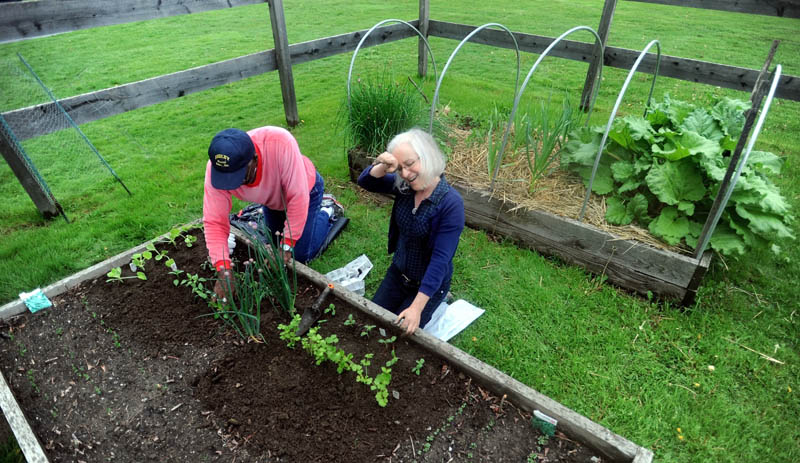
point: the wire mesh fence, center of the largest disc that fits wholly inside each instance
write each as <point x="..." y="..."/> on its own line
<point x="64" y="163"/>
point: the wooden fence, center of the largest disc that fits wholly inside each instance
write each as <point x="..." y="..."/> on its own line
<point x="24" y="20"/>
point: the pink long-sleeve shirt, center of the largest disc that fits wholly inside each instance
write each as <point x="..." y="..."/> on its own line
<point x="284" y="176"/>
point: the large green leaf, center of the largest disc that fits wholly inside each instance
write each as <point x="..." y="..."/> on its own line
<point x="764" y="223"/>
<point x="677" y="110"/>
<point x="756" y="190"/>
<point x="730" y="114"/>
<point x="701" y="122"/>
<point x="637" y="207"/>
<point x="670" y="225"/>
<point x="622" y="171"/>
<point x="616" y="212"/>
<point x="632" y="132"/>
<point x="673" y="182"/>
<point x="691" y="238"/>
<point x="671" y="151"/>
<point x="603" y="180"/>
<point x="698" y="144"/>
<point x="726" y="241"/>
<point x="713" y="165"/>
<point x="764" y="160"/>
<point x="686" y="207"/>
<point x="582" y="147"/>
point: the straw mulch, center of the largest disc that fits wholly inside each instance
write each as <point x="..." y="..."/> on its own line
<point x="559" y="193"/>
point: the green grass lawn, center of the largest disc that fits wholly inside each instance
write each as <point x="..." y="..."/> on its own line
<point x="639" y="368"/>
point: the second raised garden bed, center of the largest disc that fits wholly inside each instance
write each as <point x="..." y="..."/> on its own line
<point x="626" y="263"/>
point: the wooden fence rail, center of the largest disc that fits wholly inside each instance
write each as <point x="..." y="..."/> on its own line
<point x="116" y="100"/>
<point x="783" y="8"/>
<point x="705" y="72"/>
<point x="26" y="20"/>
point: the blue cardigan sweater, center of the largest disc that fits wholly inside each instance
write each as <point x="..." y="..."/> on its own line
<point x="446" y="224"/>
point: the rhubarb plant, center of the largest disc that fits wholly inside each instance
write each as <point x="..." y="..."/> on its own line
<point x="664" y="170"/>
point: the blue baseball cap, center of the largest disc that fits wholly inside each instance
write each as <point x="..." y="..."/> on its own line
<point x="229" y="152"/>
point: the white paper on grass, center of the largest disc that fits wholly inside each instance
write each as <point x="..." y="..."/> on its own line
<point x="352" y="275"/>
<point x="449" y="320"/>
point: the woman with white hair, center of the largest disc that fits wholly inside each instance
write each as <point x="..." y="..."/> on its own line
<point x="427" y="220"/>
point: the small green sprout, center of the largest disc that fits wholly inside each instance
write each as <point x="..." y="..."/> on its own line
<point x="331" y="310"/>
<point x="418" y="367"/>
<point x="366" y="330"/>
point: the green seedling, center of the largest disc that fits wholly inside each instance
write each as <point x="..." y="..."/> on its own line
<point x="155" y="253"/>
<point x="32" y="381"/>
<point x="388" y="340"/>
<point x="418" y="367"/>
<point x="115" y="275"/>
<point x="350" y="320"/>
<point x="542" y="440"/>
<point x="189" y="240"/>
<point x="365" y="331"/>
<point x="331" y="310"/>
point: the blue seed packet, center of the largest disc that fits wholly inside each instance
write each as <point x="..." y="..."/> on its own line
<point x="35" y="300"/>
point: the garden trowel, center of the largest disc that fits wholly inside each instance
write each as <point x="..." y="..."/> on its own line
<point x="312" y="314"/>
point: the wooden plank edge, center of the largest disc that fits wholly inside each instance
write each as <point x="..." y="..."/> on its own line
<point x="27" y="440"/>
<point x="697" y="277"/>
<point x="17" y="307"/>
<point x="598" y="437"/>
<point x="643" y="455"/>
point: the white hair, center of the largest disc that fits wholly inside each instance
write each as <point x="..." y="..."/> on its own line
<point x="430" y="156"/>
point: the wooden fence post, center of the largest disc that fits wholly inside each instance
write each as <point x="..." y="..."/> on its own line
<point x="591" y="75"/>
<point x="43" y="200"/>
<point x="284" y="61"/>
<point x="422" y="51"/>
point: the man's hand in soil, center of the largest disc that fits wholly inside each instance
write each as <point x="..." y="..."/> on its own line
<point x="224" y="288"/>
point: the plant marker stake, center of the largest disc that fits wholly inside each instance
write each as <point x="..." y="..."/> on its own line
<point x="72" y="123"/>
<point x="755" y="101"/>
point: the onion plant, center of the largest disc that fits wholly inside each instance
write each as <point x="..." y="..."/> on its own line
<point x="539" y="133"/>
<point x="544" y="133"/>
<point x="263" y="276"/>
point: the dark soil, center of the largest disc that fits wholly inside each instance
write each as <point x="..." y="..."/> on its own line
<point x="132" y="372"/>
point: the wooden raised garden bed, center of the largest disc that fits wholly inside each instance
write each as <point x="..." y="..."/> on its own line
<point x="131" y="371"/>
<point x="626" y="263"/>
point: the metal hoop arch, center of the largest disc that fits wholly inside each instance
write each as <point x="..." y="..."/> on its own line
<point x="361" y="42"/>
<point x="518" y="97"/>
<point x="453" y="54"/>
<point x="614" y="113"/>
<point x="701" y="247"/>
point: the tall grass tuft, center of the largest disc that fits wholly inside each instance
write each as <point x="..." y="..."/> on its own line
<point x="379" y="110"/>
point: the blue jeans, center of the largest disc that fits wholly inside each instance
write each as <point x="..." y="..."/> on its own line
<point x="318" y="224"/>
<point x="395" y="294"/>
